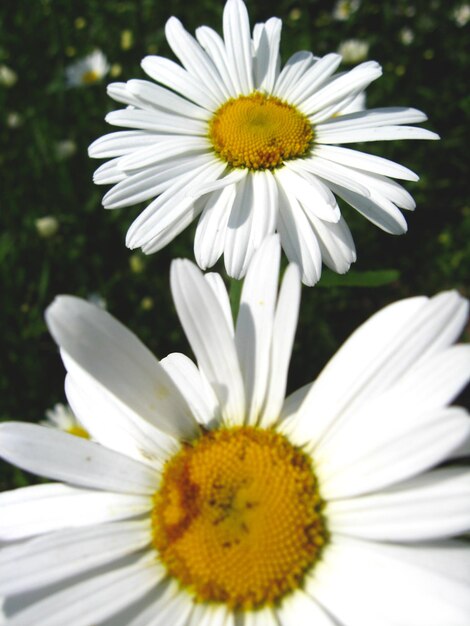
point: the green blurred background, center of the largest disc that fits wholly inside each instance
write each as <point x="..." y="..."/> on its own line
<point x="421" y="47"/>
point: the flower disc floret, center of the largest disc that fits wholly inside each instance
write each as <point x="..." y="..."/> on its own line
<point x="238" y="517"/>
<point x="259" y="132"/>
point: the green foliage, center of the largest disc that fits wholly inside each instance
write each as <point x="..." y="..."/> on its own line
<point x="87" y="256"/>
<point x="372" y="278"/>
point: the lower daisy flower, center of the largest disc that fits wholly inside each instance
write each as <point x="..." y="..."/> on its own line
<point x="206" y="497"/>
<point x="252" y="148"/>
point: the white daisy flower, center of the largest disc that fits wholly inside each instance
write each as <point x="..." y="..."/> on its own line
<point x="47" y="226"/>
<point x="63" y="418"/>
<point x="87" y="71"/>
<point x="343" y="9"/>
<point x="353" y="50"/>
<point x="206" y="498"/>
<point x="252" y="148"/>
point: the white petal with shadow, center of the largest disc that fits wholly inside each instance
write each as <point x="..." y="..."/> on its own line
<point x="106" y="350"/>
<point x="39" y="509"/>
<point x="435" y="505"/>
<point x="94" y="599"/>
<point x="210" y="337"/>
<point x="196" y="390"/>
<point x="254" y="326"/>
<point x="284" y="327"/>
<point x="365" y="572"/>
<point x="56" y="556"/>
<point x="57" y="455"/>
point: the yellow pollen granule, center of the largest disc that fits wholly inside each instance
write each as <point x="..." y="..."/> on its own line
<point x="259" y="132"/>
<point x="238" y="518"/>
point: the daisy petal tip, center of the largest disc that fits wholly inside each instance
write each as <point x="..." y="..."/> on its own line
<point x="112" y="87"/>
<point x="131" y="244"/>
<point x="310" y="280"/>
<point x="147" y="61"/>
<point x="181" y="269"/>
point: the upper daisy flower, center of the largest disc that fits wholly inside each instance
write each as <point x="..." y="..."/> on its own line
<point x="252" y="148"/>
<point x="207" y="498"/>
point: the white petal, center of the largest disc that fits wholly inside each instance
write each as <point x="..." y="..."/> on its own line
<point x="397" y="446"/>
<point x="56" y="556"/>
<point x="152" y="181"/>
<point x="267" y="38"/>
<point x="235" y="176"/>
<point x="164" y="236"/>
<point x="293" y="402"/>
<point x="52" y="453"/>
<point x="437" y="379"/>
<point x="340" y="107"/>
<point x="215" y="615"/>
<point x="210" y="337"/>
<point x="95" y="599"/>
<point x="195" y="59"/>
<point x="312" y="79"/>
<point x="175" y="203"/>
<point x="161" y="98"/>
<point x="45" y="508"/>
<point x="163" y="150"/>
<point x="383" y="133"/>
<point x="253" y="218"/>
<point x="462" y="451"/>
<point x="107" y="351"/>
<point x="300" y="609"/>
<point x="333" y="173"/>
<point x="182" y="82"/>
<point x="295" y="67"/>
<point x="364" y="161"/>
<point x="433" y="506"/>
<point x="121" y="93"/>
<point x="315" y="197"/>
<point x="298" y="239"/>
<point x="157" y="122"/>
<point x="264" y="617"/>
<point x="372" y="118"/>
<point x="119" y="143"/>
<point x="336" y="244"/>
<point x="353" y="81"/>
<point x="217" y="285"/>
<point x="255" y="322"/>
<point x="215" y="48"/>
<point x="170" y="606"/>
<point x="378" y="354"/>
<point x="238" y="44"/>
<point x="366" y="572"/>
<point x="114" y="425"/>
<point x="108" y="173"/>
<point x="285" y="324"/>
<point x="193" y="386"/>
<point x="381" y="188"/>
<point x="211" y="229"/>
<point x="375" y="208"/>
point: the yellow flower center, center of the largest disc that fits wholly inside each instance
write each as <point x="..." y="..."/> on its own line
<point x="78" y="431"/>
<point x="238" y="517"/>
<point x="90" y="77"/>
<point x="259" y="132"/>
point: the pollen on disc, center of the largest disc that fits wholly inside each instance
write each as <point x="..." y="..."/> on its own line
<point x="259" y="132"/>
<point x="238" y="517"/>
